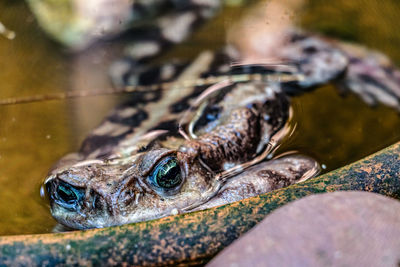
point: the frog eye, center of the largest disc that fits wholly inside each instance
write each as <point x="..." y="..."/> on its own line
<point x="66" y="195"/>
<point x="167" y="174"/>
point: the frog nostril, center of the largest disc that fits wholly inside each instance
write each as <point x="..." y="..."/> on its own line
<point x="64" y="194"/>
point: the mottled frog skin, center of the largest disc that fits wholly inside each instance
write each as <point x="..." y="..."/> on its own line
<point x="150" y="171"/>
<point x="189" y="148"/>
<point x="81" y="23"/>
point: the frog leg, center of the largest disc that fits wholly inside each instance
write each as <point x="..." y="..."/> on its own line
<point x="265" y="177"/>
<point x="252" y="119"/>
<point x="368" y="74"/>
<point x="317" y="60"/>
<point x="371" y="75"/>
<point x="166" y="31"/>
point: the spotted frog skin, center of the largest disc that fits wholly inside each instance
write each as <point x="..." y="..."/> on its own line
<point x="161" y="172"/>
<point x="81" y="23"/>
<point x="194" y="147"/>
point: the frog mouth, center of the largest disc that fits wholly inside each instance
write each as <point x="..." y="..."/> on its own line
<point x="206" y="196"/>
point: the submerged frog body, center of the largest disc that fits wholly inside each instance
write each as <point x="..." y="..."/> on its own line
<point x="189" y="148"/>
<point x="165" y="173"/>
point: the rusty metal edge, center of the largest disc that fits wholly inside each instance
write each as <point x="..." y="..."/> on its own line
<point x="194" y="238"/>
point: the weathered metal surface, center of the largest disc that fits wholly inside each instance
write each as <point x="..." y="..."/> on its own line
<point x="195" y="237"/>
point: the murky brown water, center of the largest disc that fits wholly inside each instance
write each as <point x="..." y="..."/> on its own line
<point x="333" y="129"/>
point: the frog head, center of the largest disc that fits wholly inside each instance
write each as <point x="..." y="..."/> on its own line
<point x="148" y="185"/>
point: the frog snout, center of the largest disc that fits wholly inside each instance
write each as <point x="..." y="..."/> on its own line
<point x="65" y="195"/>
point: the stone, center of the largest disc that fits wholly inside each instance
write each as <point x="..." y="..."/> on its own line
<point x="331" y="229"/>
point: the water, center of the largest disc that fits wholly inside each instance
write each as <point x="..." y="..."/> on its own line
<point x="334" y="130"/>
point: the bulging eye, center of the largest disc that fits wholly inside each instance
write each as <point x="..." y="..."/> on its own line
<point x="65" y="194"/>
<point x="167" y="174"/>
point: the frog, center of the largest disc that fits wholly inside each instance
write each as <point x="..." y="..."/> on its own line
<point x="156" y="170"/>
<point x="206" y="132"/>
<point x="210" y="145"/>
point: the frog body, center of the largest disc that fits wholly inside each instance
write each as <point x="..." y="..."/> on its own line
<point x="189" y="148"/>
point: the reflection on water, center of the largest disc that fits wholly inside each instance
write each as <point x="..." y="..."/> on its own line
<point x="334" y="130"/>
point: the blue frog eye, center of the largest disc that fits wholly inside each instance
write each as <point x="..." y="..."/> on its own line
<point x="167" y="174"/>
<point x="65" y="194"/>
